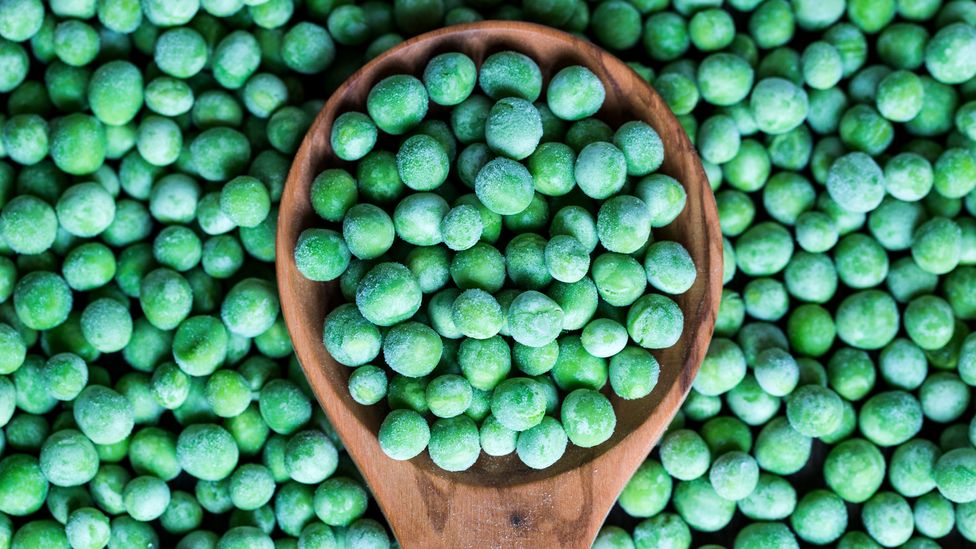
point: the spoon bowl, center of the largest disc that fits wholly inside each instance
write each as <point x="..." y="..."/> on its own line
<point x="500" y="502"/>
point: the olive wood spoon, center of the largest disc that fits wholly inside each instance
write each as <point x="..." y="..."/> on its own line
<point x="499" y="502"/>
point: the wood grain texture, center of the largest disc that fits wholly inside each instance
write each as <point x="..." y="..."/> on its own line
<point x="500" y="502"/>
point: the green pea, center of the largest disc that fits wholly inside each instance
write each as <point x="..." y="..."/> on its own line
<point x="510" y="74"/>
<point x="450" y="78"/>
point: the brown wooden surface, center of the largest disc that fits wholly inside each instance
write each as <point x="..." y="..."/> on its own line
<point x="500" y="502"/>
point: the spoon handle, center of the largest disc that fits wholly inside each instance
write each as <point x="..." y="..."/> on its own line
<point x="564" y="511"/>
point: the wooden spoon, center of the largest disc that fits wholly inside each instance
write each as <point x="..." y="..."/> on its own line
<point x="500" y="502"/>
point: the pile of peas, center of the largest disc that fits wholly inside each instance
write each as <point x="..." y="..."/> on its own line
<point x="144" y="401"/>
<point x="497" y="319"/>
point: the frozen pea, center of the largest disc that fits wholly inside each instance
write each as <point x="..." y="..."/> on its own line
<point x="87" y="527"/>
<point x="578" y="223"/>
<point x="566" y="259"/>
<point x="417" y="218"/>
<point x="388" y="294"/>
<point x="454" y="443"/>
<point x="333" y="193"/>
<point x="480" y="266"/>
<point x="200" y="345"/>
<point x="601" y="170"/>
<point x="107" y="325"/>
<point x="166" y="96"/>
<point x="781" y="449"/>
<point x="25" y="138"/>
<point x="68" y="458"/>
<point x="180" y="52"/>
<point x="85" y="209"/>
<point x="778" y="105"/>
<point x="786" y="196"/>
<point x="954" y="173"/>
<point x="854" y="470"/>
<point x="412" y="349"/>
<point x="368" y="231"/>
<point x="699" y="407"/>
<point x="867" y="320"/>
<point x="146" y="497"/>
<point x="934" y="515"/>
<point x="76" y="43"/>
<point x="633" y="373"/>
<point x="504" y="186"/>
<point x="822" y="65"/>
<point x="764" y="249"/>
<point x="534" y="218"/>
<point x="878" y="429"/>
<point x="485" y="362"/>
<point x="776" y="371"/>
<point x="178" y="248"/>
<point x="403" y="434"/>
<point x="642" y="147"/>
<point x="899" y="96"/>
<point x="604" y="337"/>
<point x="949" y="55"/>
<point x="477" y="314"/>
<point x="856" y="182"/>
<point x="588" y="417"/>
<point x="174" y="199"/>
<point x="814" y="411"/>
<point x="861" y="262"/>
<point x="929" y="322"/>
<point x="773" y="499"/>
<point x="575" y="93"/>
<point x="954" y="477"/>
<point x="679" y="92"/>
<point x="449" y="395"/>
<point x="245" y="201"/>
<point x="684" y="454"/>
<point x="321" y="254"/>
<point x="820" y="517"/>
<point x="450" y="78"/>
<point x="103" y="415"/>
<point x="219" y="154"/>
<point x="28" y="225"/>
<point x="718" y="139"/>
<point x="765" y="299"/>
<point x="669" y="267"/>
<point x="749" y="169"/>
<point x="551" y="167"/>
<point x="42" y="300"/>
<point x="576" y="368"/>
<point x="513" y="128"/>
<point x="723" y="78"/>
<point x="166" y="298"/>
<point x="863" y="129"/>
<point x="620" y="279"/>
<point x="397" y="103"/>
<point x="542" y="445"/>
<point x="887" y="517"/>
<point x="734" y="475"/>
<point x="115" y="92"/>
<point x="21" y="19"/>
<point x="647" y="492"/>
<point x="623" y="224"/>
<point x="701" y="507"/>
<point x="510" y="74"/>
<point x="911" y="468"/>
<point x="892" y="225"/>
<point x="422" y="163"/>
<point x="461" y="228"/>
<point x="722" y="369"/>
<point x="431" y="266"/>
<point x="534" y="319"/>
